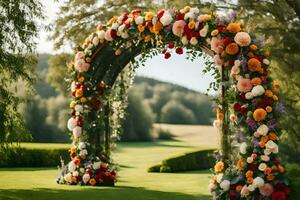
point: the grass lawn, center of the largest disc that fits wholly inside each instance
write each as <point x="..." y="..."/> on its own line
<point x="134" y="182"/>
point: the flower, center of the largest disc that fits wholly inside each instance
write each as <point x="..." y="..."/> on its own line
<point x="258" y="90"/>
<point x="203" y="31"/>
<point x="219" y="177"/>
<point x="243" y="39"/>
<point x="96" y="165"/>
<point x="68" y="177"/>
<point x="259" y="114"/>
<point x="266" y="190"/>
<point x="254" y="65"/>
<point x="194" y="41"/>
<point x="212" y="187"/>
<point x="149" y="16"/>
<point x="81" y="146"/>
<point x="179" y="50"/>
<point x="234" y="27"/>
<point x="258" y="182"/>
<point x="178" y="28"/>
<point x="214" y="32"/>
<point x="217" y="45"/>
<point x="71" y="123"/>
<point x="249" y="95"/>
<point x="243" y="148"/>
<point x="244" y="85"/>
<point x="166" y="19"/>
<point x="269" y="109"/>
<point x="219" y="166"/>
<point x="235" y="70"/>
<point x="262" y="166"/>
<point x="256" y="81"/>
<point x="217" y="123"/>
<point x="278" y="195"/>
<point x="139" y="20"/>
<point x="184" y="40"/>
<point x="272" y="146"/>
<point x="108" y="35"/>
<point x="71" y="166"/>
<point x="245" y="191"/>
<point x="250" y="159"/>
<point x="77" y="132"/>
<point x="225" y="185"/>
<point x="204" y="18"/>
<point x="233" y="118"/>
<point x="218" y="60"/>
<point x="232" y="48"/>
<point x="92" y="182"/>
<point x="263" y="129"/>
<point x="240" y="165"/>
<point x="86" y="178"/>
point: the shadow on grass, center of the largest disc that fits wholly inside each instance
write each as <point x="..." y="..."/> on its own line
<point x="116" y="193"/>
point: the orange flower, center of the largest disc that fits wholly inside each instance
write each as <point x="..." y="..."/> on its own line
<point x="88" y="59"/>
<point x="254" y="65"/>
<point x="275" y="98"/>
<point x="83" y="100"/>
<point x="147" y="38"/>
<point x="149" y="16"/>
<point x="268" y="93"/>
<point x="234" y="27"/>
<point x="92" y="181"/>
<point x="269" y="109"/>
<point x="268" y="170"/>
<point x="264" y="139"/>
<point x="240" y="165"/>
<point x="141" y="28"/>
<point x="214" y="32"/>
<point x="259" y="114"/>
<point x="191" y="24"/>
<point x="273" y="136"/>
<point x="220" y="116"/>
<point x="270" y="177"/>
<point x="250" y="180"/>
<point x="262" y="144"/>
<point x="219" y="166"/>
<point x="281" y="169"/>
<point x="256" y="81"/>
<point x="274" y="168"/>
<point x="81" y="79"/>
<point x="253" y="47"/>
<point x="157" y="27"/>
<point x="79" y="93"/>
<point x="232" y="48"/>
<point x="238" y="188"/>
<point x="249" y="174"/>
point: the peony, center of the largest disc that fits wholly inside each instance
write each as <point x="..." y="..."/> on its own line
<point x="235" y="70"/>
<point x="225" y="185"/>
<point x="259" y="114"/>
<point x="254" y="65"/>
<point x="166" y="19"/>
<point x="71" y="123"/>
<point x="243" y="148"/>
<point x="178" y="28"/>
<point x="81" y="146"/>
<point x="249" y="95"/>
<point x="86" y="178"/>
<point x="245" y="191"/>
<point x="266" y="190"/>
<point x="77" y="132"/>
<point x="258" y="90"/>
<point x="139" y="20"/>
<point x="193" y="41"/>
<point x="243" y="39"/>
<point x="234" y="27"/>
<point x="217" y="45"/>
<point x="244" y="85"/>
<point x="203" y="31"/>
<point x="262" y="166"/>
<point x="272" y="146"/>
<point x="258" y="182"/>
<point x="263" y="129"/>
<point x="71" y="166"/>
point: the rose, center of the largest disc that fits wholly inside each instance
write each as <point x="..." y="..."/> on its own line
<point x="262" y="166"/>
<point x="81" y="146"/>
<point x="258" y="182"/>
<point x="178" y="28"/>
<point x="263" y="129"/>
<point x="243" y="39"/>
<point x="266" y="190"/>
<point x="166" y="19"/>
<point x="258" y="90"/>
<point x="86" y="178"/>
<point x="243" y="148"/>
<point x="71" y="166"/>
<point x="265" y="158"/>
<point x="71" y="123"/>
<point x="225" y="185"/>
<point x="272" y="146"/>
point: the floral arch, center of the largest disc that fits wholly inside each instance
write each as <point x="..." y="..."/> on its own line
<point x="247" y="107"/>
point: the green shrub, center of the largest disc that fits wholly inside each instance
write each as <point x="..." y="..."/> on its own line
<point x="197" y="160"/>
<point x="293" y="174"/>
<point x="23" y="157"/>
<point x="165" y="135"/>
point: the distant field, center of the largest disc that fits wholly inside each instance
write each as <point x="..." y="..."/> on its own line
<point x="135" y="183"/>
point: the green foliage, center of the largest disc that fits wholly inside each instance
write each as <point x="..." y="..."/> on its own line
<point x="165" y="135"/>
<point x="197" y="160"/>
<point x="18" y="28"/>
<point x="24" y="157"/>
<point x="294" y="177"/>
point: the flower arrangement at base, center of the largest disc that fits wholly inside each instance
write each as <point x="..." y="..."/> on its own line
<point x="86" y="170"/>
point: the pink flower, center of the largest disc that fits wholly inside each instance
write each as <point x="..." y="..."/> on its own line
<point x="266" y="190"/>
<point x="217" y="123"/>
<point x="216" y="45"/>
<point x="244" y="85"/>
<point x="79" y="55"/>
<point x="178" y="28"/>
<point x="108" y="36"/>
<point x="233" y="118"/>
<point x="218" y="60"/>
<point x="85" y="67"/>
<point x="235" y="70"/>
<point x="245" y="191"/>
<point x="243" y="39"/>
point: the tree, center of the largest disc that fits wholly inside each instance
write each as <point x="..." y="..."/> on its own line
<point x="18" y="29"/>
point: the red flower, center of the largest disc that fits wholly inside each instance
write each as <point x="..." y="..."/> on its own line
<point x="237" y="107"/>
<point x="160" y="14"/>
<point x="242" y="97"/>
<point x="167" y="55"/>
<point x="263" y="79"/>
<point x="226" y="40"/>
<point x="233" y="195"/>
<point x="171" y="45"/>
<point x="179" y="17"/>
<point x="222" y="29"/>
<point x="125" y="17"/>
<point x="77" y="161"/>
<point x="179" y="50"/>
<point x="252" y="167"/>
<point x="113" y="33"/>
<point x="243" y="110"/>
<point x="164" y="51"/>
<point x="282" y="187"/>
<point x="74" y="113"/>
<point x="278" y="196"/>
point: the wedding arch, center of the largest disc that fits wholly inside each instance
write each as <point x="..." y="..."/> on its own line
<point x="247" y="108"/>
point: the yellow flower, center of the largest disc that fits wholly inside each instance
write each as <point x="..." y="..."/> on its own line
<point x="149" y="16"/>
<point x="79" y="93"/>
<point x="83" y="100"/>
<point x="240" y="165"/>
<point x="191" y="24"/>
<point x="72" y="104"/>
<point x="141" y="28"/>
<point x="147" y="38"/>
<point x="157" y="27"/>
<point x="81" y="79"/>
<point x="112" y="20"/>
<point x="219" y="166"/>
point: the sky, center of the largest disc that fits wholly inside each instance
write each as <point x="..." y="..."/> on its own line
<point x="176" y="69"/>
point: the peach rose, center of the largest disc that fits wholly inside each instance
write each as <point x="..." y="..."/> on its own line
<point x="259" y="114"/>
<point x="245" y="191"/>
<point x="232" y="48"/>
<point x="235" y="70"/>
<point x="234" y="27"/>
<point x="244" y="85"/>
<point x="243" y="39"/>
<point x="266" y="190"/>
<point x="178" y="28"/>
<point x="217" y="45"/>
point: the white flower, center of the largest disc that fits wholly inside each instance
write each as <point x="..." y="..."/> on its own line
<point x="267" y="152"/>
<point x="81" y="146"/>
<point x="95" y="41"/>
<point x="73" y="86"/>
<point x="194" y="41"/>
<point x="184" y="40"/>
<point x="249" y="95"/>
<point x="250" y="159"/>
<point x="68" y="177"/>
<point x="212" y="187"/>
<point x="77" y="131"/>
<point x="220" y="177"/>
<point x="262" y="166"/>
<point x="71" y="166"/>
<point x="71" y="124"/>
<point x="86" y="178"/>
<point x="83" y="152"/>
<point x="258" y="90"/>
<point x="194" y="10"/>
<point x="101" y="34"/>
<point x="266" y="61"/>
<point x="251" y="187"/>
<point x="124" y="35"/>
<point x="76" y="173"/>
<point x="225" y="185"/>
<point x="82" y="170"/>
<point x="258" y="182"/>
<point x="121" y="28"/>
<point x="272" y="146"/>
<point x="166" y="19"/>
<point x="78" y="64"/>
<point x="78" y="108"/>
<point x="115" y="26"/>
<point x="189" y="15"/>
<point x="263" y="129"/>
<point x="243" y="148"/>
<point x="139" y="20"/>
<point x="203" y="31"/>
<point x="256" y="134"/>
<point x="265" y="158"/>
<point x="237" y="63"/>
<point x="96" y="165"/>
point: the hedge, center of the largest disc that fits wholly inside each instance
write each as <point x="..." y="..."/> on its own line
<point x="197" y="160"/>
<point x="293" y="174"/>
<point x="24" y="157"/>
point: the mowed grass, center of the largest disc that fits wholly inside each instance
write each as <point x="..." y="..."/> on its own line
<point x="134" y="182"/>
